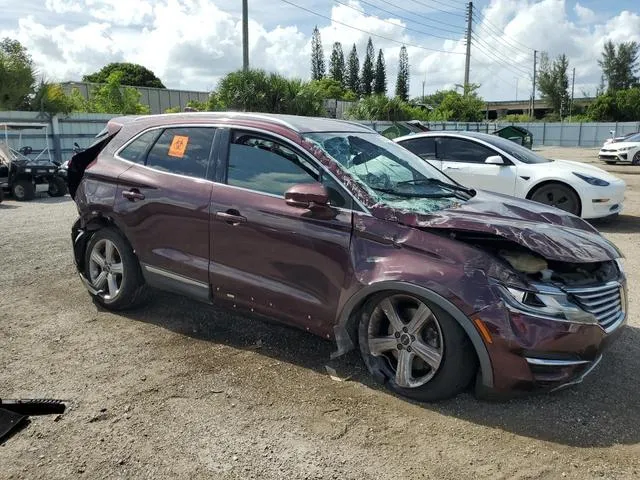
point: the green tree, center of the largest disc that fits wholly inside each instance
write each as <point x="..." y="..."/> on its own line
<point x="462" y="107"/>
<point x="336" y="64"/>
<point x="402" y="80"/>
<point x="112" y="97"/>
<point x="133" y="75"/>
<point x="50" y="98"/>
<point x="553" y="82"/>
<point x="619" y="66"/>
<point x="380" y="80"/>
<point x="317" y="56"/>
<point x="619" y="106"/>
<point x="17" y="75"/>
<point x="353" y="67"/>
<point x="367" y="76"/>
<point x="380" y="107"/>
<point x="328" y="88"/>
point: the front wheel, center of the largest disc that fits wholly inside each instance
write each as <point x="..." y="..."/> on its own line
<point x="636" y="159"/>
<point x="558" y="195"/>
<point x="113" y="271"/>
<point x="23" y="190"/>
<point x="415" y="347"/>
<point x="57" y="187"/>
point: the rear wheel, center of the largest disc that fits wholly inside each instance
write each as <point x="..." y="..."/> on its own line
<point x="57" y="187"/>
<point x="558" y="195"/>
<point x="113" y="270"/>
<point x="636" y="159"/>
<point x="415" y="347"/>
<point x="23" y="190"/>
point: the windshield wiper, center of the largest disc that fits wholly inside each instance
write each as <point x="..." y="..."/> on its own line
<point x="435" y="181"/>
<point x="390" y="191"/>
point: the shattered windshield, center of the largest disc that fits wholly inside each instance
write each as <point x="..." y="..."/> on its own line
<point x="390" y="173"/>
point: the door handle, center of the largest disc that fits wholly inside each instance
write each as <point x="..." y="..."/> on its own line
<point x="133" y="195"/>
<point x="232" y="217"/>
<point x="452" y="168"/>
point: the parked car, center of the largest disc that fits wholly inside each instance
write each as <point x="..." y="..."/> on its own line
<point x="625" y="151"/>
<point x="332" y="228"/>
<point x="620" y="138"/>
<point x="488" y="162"/>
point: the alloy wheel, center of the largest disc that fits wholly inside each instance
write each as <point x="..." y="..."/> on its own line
<point x="636" y="159"/>
<point x="106" y="270"/>
<point x="557" y="196"/>
<point x="407" y="334"/>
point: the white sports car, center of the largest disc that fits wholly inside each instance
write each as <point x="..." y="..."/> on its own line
<point x="492" y="163"/>
<point x="627" y="151"/>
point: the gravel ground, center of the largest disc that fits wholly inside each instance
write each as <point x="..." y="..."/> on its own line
<point x="183" y="390"/>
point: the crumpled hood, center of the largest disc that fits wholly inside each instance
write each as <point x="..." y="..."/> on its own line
<point x="547" y="231"/>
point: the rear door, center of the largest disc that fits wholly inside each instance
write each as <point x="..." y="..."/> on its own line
<point x="425" y="148"/>
<point x="162" y="203"/>
<point x="270" y="257"/>
<point x="464" y="161"/>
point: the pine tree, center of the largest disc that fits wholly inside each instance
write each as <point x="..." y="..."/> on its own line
<point x="402" y="82"/>
<point x="317" y="56"/>
<point x="366" y="79"/>
<point x="336" y="64"/>
<point x="380" y="80"/>
<point x="353" y="66"/>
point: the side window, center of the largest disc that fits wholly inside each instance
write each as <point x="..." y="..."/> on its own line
<point x="137" y="150"/>
<point x="465" y="151"/>
<point x="423" y="147"/>
<point x="260" y="164"/>
<point x="183" y="150"/>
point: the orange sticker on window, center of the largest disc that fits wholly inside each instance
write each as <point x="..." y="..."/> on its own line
<point x="178" y="146"/>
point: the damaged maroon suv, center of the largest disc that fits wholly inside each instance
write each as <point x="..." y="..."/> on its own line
<point x="327" y="226"/>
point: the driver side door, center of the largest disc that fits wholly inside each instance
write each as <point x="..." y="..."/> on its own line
<point x="464" y="161"/>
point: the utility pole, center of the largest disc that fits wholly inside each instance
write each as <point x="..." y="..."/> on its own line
<point x="517" y="79"/>
<point x="245" y="35"/>
<point x="467" y="61"/>
<point x="533" y="96"/>
<point x="573" y="84"/>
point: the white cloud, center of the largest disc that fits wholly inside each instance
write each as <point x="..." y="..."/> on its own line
<point x="192" y="43"/>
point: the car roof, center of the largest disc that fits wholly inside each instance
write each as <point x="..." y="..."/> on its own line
<point x="296" y="123"/>
<point x="451" y="133"/>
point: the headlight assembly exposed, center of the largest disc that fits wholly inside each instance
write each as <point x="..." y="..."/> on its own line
<point x="545" y="302"/>
<point x="592" y="180"/>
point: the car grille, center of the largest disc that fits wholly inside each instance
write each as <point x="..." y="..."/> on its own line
<point x="606" y="302"/>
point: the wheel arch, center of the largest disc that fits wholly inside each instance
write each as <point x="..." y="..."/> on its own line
<point x="549" y="181"/>
<point x="83" y="230"/>
<point x="345" y="330"/>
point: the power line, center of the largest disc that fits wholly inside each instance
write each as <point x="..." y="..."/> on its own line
<point x="496" y="52"/>
<point x="491" y="27"/>
<point x="369" y="33"/>
<point x="397" y="24"/>
<point x="499" y="42"/>
<point x="449" y="12"/>
<point x="412" y="12"/>
<point x="515" y="68"/>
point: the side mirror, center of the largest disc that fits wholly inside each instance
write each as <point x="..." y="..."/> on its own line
<point x="494" y="160"/>
<point x="310" y="196"/>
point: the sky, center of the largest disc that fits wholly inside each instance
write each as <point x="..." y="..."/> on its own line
<point x="191" y="44"/>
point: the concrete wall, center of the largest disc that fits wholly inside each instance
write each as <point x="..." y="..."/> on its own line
<point x="63" y="131"/>
<point x="157" y="99"/>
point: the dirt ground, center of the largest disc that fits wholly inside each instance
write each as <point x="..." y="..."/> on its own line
<point x="182" y="390"/>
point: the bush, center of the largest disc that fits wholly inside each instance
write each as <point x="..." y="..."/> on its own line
<point x="380" y="107"/>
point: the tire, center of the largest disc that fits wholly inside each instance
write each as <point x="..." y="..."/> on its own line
<point x="636" y="159"/>
<point x="23" y="190"/>
<point x="57" y="187"/>
<point x="557" y="195"/>
<point x="452" y="363"/>
<point x="115" y="275"/>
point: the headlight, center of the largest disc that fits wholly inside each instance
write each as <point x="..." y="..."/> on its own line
<point x="624" y="149"/>
<point x="549" y="303"/>
<point x="592" y="180"/>
<point x="27" y="170"/>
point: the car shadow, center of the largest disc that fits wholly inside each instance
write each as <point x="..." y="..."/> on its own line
<point x="7" y="206"/>
<point x="600" y="412"/>
<point x="619" y="224"/>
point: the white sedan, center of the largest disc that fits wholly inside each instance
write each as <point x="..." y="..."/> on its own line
<point x="627" y="151"/>
<point x="492" y="163"/>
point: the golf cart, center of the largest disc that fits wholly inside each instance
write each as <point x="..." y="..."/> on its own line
<point x="25" y="170"/>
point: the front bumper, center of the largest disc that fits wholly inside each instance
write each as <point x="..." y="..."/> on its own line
<point x="535" y="354"/>
<point x="599" y="202"/>
<point x="613" y="156"/>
